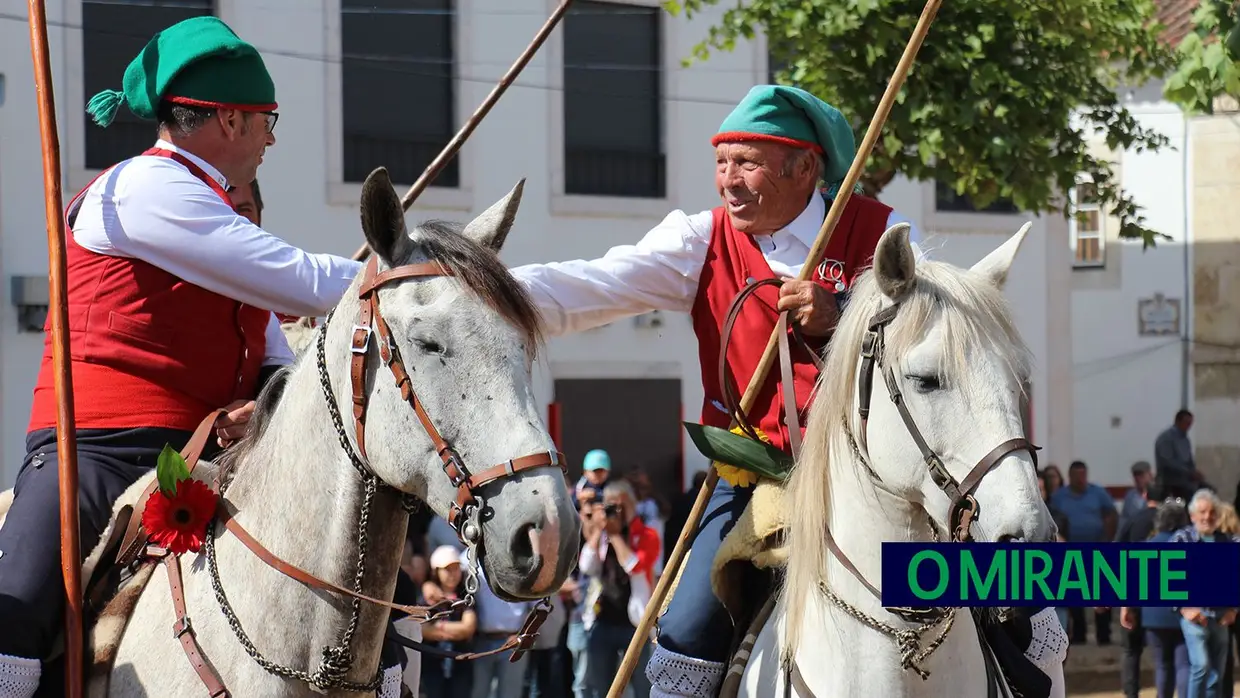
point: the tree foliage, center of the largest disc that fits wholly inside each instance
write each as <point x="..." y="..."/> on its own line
<point x="1207" y="67"/>
<point x="1001" y="102"/>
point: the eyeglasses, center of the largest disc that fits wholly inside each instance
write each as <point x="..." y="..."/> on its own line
<point x="272" y="118"/>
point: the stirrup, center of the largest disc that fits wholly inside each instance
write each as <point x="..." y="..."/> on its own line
<point x="674" y="675"/>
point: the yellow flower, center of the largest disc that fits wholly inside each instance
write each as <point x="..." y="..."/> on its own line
<point x="739" y="477"/>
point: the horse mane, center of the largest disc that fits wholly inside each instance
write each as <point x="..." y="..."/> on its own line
<point x="973" y="315"/>
<point x="477" y="267"/>
<point x="264" y="406"/>
<point x="480" y="269"/>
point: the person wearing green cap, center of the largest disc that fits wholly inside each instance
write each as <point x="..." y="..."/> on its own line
<point x="780" y="157"/>
<point x="171" y="296"/>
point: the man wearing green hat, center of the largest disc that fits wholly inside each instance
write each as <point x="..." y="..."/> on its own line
<point x="171" y="296"/>
<point x="772" y="154"/>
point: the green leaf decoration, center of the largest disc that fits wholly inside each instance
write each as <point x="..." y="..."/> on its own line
<point x="739" y="451"/>
<point x="170" y="469"/>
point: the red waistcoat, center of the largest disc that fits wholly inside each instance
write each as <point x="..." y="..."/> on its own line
<point x="732" y="258"/>
<point x="149" y="349"/>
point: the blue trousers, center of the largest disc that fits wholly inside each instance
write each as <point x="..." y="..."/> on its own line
<point x="696" y="623"/>
<point x="1207" y="653"/>
<point x="31" y="583"/>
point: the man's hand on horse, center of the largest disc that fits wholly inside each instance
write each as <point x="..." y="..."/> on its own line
<point x="811" y="305"/>
<point x="232" y="426"/>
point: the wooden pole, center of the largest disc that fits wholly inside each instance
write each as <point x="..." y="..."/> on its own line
<point x="454" y="145"/>
<point x="66" y="441"/>
<point x="672" y="567"/>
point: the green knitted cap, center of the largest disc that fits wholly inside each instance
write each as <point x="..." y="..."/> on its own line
<point x="795" y="117"/>
<point x="199" y="62"/>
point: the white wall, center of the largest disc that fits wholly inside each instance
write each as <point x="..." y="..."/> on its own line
<point x="1128" y="387"/>
<point x="521" y="137"/>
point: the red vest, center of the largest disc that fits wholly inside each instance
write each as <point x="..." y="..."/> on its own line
<point x="731" y="259"/>
<point x="147" y="348"/>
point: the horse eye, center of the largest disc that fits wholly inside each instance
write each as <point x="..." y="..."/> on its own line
<point x="428" y="346"/>
<point x="925" y="384"/>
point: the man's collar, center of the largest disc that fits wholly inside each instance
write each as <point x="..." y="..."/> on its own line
<point x="206" y="166"/>
<point x="805" y="227"/>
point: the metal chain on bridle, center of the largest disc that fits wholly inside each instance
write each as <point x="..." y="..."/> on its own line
<point x="337" y="660"/>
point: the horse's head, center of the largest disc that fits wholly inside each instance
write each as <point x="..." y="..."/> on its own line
<point x="943" y="422"/>
<point x="467" y="340"/>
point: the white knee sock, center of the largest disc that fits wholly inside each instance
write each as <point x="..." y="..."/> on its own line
<point x="19" y="677"/>
<point x="672" y="675"/>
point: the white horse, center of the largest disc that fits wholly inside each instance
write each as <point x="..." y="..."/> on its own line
<point x="468" y="341"/>
<point x="956" y="357"/>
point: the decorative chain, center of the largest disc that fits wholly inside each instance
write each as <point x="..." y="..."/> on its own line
<point x="337" y="660"/>
<point x="907" y="639"/>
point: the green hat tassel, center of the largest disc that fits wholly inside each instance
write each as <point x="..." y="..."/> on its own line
<point x="103" y="106"/>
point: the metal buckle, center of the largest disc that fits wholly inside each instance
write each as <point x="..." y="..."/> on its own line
<point x="365" y="346"/>
<point x="461" y="477"/>
<point x="180" y="627"/>
<point x="938" y="471"/>
<point x="869" y="344"/>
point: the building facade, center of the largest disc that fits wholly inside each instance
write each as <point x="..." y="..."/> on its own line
<point x="609" y="129"/>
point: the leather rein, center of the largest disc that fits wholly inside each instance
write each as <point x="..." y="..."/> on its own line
<point x="463" y="514"/>
<point x="964" y="508"/>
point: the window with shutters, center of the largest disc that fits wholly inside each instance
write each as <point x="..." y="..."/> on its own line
<point x="113" y="33"/>
<point x="398" y="88"/>
<point x="613" y="100"/>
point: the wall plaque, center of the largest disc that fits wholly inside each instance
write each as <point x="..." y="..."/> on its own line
<point x="1158" y="316"/>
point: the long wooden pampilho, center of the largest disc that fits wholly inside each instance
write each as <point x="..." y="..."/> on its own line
<point x="66" y="438"/>
<point x="454" y="145"/>
<point x="672" y="568"/>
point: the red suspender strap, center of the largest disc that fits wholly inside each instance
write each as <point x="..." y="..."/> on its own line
<point x="194" y="170"/>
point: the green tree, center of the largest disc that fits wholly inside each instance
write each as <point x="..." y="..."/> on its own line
<point x="1207" y="67"/>
<point x="1001" y="102"/>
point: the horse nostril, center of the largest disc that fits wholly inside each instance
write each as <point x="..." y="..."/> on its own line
<point x="522" y="545"/>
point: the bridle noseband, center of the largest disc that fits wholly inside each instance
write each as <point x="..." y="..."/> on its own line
<point x="964" y="509"/>
<point x="462" y="514"/>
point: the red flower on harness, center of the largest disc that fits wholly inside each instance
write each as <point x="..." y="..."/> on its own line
<point x="177" y="514"/>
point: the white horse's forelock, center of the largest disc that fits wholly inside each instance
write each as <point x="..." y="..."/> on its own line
<point x="971" y="313"/>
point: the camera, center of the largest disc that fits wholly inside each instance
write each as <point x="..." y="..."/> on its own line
<point x="611" y="510"/>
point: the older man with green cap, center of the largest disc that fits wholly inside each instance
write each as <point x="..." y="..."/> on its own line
<point x="780" y="157"/>
<point x="170" y="296"/>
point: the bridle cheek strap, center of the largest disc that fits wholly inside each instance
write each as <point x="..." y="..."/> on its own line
<point x="369" y="316"/>
<point x="964" y="509"/>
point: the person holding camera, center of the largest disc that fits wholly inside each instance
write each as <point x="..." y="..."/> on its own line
<point x="617" y="564"/>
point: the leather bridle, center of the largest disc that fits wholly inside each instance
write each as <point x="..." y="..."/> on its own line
<point x="463" y="514"/>
<point x="964" y="509"/>
<point x="369" y="322"/>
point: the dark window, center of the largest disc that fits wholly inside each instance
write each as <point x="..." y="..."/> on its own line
<point x="398" y="91"/>
<point x="113" y="33"/>
<point x="613" y="100"/>
<point x="946" y="199"/>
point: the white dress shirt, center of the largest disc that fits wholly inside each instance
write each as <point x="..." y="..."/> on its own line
<point x="661" y="271"/>
<point x="154" y="209"/>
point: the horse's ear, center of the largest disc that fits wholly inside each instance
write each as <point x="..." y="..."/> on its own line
<point x="994" y="266"/>
<point x="383" y="218"/>
<point x="491" y="228"/>
<point x="894" y="266"/>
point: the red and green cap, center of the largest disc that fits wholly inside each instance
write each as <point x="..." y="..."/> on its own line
<point x="196" y="62"/>
<point x="794" y="117"/>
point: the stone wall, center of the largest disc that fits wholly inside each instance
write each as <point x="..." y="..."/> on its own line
<point x="1215" y="311"/>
